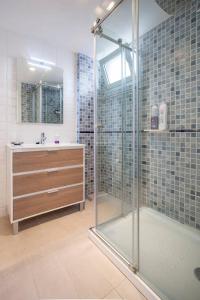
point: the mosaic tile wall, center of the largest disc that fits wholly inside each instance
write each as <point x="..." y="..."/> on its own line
<point x="170" y="161"/>
<point x="170" y="69"/>
<point x="85" y="115"/>
<point x="115" y="146"/>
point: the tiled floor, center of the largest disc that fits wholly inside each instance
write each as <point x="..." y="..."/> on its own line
<point x="55" y="259"/>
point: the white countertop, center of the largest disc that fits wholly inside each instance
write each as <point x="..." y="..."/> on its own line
<point x="35" y="147"/>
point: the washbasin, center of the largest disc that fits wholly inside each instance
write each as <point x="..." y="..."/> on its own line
<point x="46" y="146"/>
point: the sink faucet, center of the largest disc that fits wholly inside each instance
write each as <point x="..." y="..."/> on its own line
<point x="42" y="138"/>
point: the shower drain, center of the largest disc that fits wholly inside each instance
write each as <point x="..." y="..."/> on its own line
<point x="197" y="273"/>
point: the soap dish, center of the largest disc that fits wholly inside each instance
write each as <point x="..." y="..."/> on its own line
<point x="17" y="143"/>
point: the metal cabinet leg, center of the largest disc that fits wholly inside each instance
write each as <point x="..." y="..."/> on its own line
<point x="15" y="228"/>
<point x="82" y="206"/>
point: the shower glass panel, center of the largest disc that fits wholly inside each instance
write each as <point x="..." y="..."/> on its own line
<point x="158" y="169"/>
<point x="114" y="132"/>
<point x="170" y="160"/>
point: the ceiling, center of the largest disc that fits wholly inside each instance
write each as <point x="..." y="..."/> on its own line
<point x="67" y="23"/>
<point x="64" y="23"/>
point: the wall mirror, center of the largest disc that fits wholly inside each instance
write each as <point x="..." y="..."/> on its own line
<point x="40" y="91"/>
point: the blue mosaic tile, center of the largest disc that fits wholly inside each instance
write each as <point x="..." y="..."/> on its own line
<point x="169" y="69"/>
<point x="85" y="115"/>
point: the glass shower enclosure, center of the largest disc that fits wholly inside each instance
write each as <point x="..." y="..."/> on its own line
<point x="147" y="181"/>
<point x="114" y="138"/>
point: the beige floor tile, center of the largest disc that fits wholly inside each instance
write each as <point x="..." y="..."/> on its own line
<point x="90" y="285"/>
<point x="81" y="250"/>
<point x="127" y="291"/>
<point x="11" y="254"/>
<point x="104" y="266"/>
<point x="17" y="283"/>
<point x="50" y="277"/>
<point x="75" y="256"/>
<point x="89" y="281"/>
<point x="113" y="295"/>
<point x="52" y="257"/>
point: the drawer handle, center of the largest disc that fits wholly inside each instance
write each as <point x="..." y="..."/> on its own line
<point x="52" y="192"/>
<point x="52" y="171"/>
<point x="52" y="151"/>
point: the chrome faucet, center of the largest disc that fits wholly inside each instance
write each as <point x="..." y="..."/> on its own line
<point x="42" y="138"/>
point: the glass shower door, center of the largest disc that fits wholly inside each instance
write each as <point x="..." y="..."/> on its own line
<point x="170" y="159"/>
<point x="114" y="135"/>
<point x="108" y="134"/>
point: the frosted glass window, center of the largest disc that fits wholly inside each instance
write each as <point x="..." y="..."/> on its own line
<point x="113" y="69"/>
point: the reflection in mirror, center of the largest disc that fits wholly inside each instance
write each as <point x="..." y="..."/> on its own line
<point x="40" y="91"/>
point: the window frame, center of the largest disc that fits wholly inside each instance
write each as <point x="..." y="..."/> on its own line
<point x="103" y="67"/>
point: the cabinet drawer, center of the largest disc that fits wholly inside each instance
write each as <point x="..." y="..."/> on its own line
<point x="29" y="206"/>
<point x="38" y="160"/>
<point x="31" y="183"/>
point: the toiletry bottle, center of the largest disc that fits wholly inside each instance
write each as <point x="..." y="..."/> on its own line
<point x="57" y="139"/>
<point x="154" y="117"/>
<point x="163" y="116"/>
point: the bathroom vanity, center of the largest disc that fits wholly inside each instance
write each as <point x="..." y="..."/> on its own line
<point x="43" y="178"/>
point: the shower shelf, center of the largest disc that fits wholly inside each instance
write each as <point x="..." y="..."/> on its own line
<point x="172" y="130"/>
<point x="155" y="130"/>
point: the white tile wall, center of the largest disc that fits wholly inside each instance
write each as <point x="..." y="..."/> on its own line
<point x="11" y="47"/>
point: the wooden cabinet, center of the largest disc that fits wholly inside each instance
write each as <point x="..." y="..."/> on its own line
<point x="37" y="160"/>
<point x="40" y="181"/>
<point x="37" y="204"/>
<point x="45" y="180"/>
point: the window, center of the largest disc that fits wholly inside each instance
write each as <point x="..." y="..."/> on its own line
<point x="113" y="69"/>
